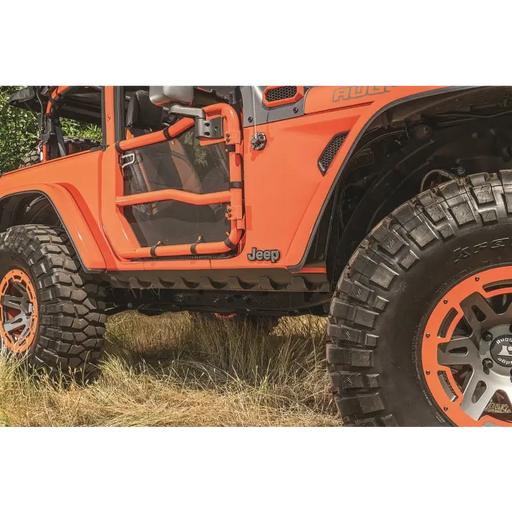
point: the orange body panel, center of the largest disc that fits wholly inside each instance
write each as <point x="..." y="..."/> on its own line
<point x="283" y="189"/>
<point x="72" y="184"/>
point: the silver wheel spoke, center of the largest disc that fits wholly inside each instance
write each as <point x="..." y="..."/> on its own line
<point x="477" y="301"/>
<point x="21" y="321"/>
<point x="507" y="314"/>
<point x="21" y="288"/>
<point x="11" y="301"/>
<point x="16" y="322"/>
<point x="474" y="404"/>
<point x="453" y="353"/>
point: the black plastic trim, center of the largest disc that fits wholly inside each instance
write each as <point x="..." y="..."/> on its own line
<point x="193" y="247"/>
<point x="166" y="134"/>
<point x="119" y="112"/>
<point x="152" y="251"/>
<point x="223" y="280"/>
<point x="103" y="120"/>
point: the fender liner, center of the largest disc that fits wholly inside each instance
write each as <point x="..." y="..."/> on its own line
<point x="72" y="220"/>
<point x="412" y="97"/>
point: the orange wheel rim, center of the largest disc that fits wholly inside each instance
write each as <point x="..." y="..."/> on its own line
<point x="18" y="311"/>
<point x="466" y="353"/>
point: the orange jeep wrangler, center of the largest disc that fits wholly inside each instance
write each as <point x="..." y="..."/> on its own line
<point x="384" y="208"/>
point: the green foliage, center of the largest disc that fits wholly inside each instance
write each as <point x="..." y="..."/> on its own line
<point x="19" y="134"/>
<point x="199" y="151"/>
<point x="73" y="128"/>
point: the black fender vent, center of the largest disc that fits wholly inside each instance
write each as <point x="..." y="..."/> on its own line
<point x="330" y="151"/>
<point x="281" y="93"/>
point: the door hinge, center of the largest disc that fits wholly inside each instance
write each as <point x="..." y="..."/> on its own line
<point x="210" y="128"/>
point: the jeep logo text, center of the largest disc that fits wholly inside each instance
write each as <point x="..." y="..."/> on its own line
<point x="269" y="255"/>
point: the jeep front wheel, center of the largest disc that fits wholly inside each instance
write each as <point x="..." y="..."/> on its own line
<point x="420" y="324"/>
<point x="51" y="312"/>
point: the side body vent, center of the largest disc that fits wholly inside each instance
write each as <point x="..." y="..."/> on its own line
<point x="281" y="93"/>
<point x="278" y="95"/>
<point x="330" y="151"/>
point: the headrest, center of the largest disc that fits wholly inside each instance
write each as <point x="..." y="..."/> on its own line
<point x="143" y="114"/>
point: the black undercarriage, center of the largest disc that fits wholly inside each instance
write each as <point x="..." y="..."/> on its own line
<point x="157" y="301"/>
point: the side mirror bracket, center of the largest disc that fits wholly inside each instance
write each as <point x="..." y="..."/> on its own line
<point x="205" y="129"/>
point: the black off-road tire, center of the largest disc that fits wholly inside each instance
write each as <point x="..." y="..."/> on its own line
<point x="392" y="283"/>
<point x="71" y="303"/>
<point x="74" y="145"/>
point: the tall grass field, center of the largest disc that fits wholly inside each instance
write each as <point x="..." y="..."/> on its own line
<point x="184" y="370"/>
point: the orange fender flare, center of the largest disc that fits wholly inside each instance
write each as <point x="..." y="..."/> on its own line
<point x="73" y="219"/>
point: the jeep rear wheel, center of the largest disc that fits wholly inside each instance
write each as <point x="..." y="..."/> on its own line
<point x="50" y="310"/>
<point x="420" y="324"/>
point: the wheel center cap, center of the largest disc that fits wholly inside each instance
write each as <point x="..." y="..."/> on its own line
<point x="501" y="350"/>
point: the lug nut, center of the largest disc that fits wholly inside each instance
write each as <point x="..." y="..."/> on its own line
<point x="487" y="363"/>
<point x="487" y="336"/>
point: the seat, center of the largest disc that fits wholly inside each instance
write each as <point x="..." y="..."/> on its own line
<point x="144" y="117"/>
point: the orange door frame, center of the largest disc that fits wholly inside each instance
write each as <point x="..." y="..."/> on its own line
<point x="120" y="233"/>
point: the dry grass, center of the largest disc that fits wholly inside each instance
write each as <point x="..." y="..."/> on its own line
<point x="176" y="370"/>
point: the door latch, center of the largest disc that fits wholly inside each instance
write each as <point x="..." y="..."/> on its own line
<point x="126" y="160"/>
